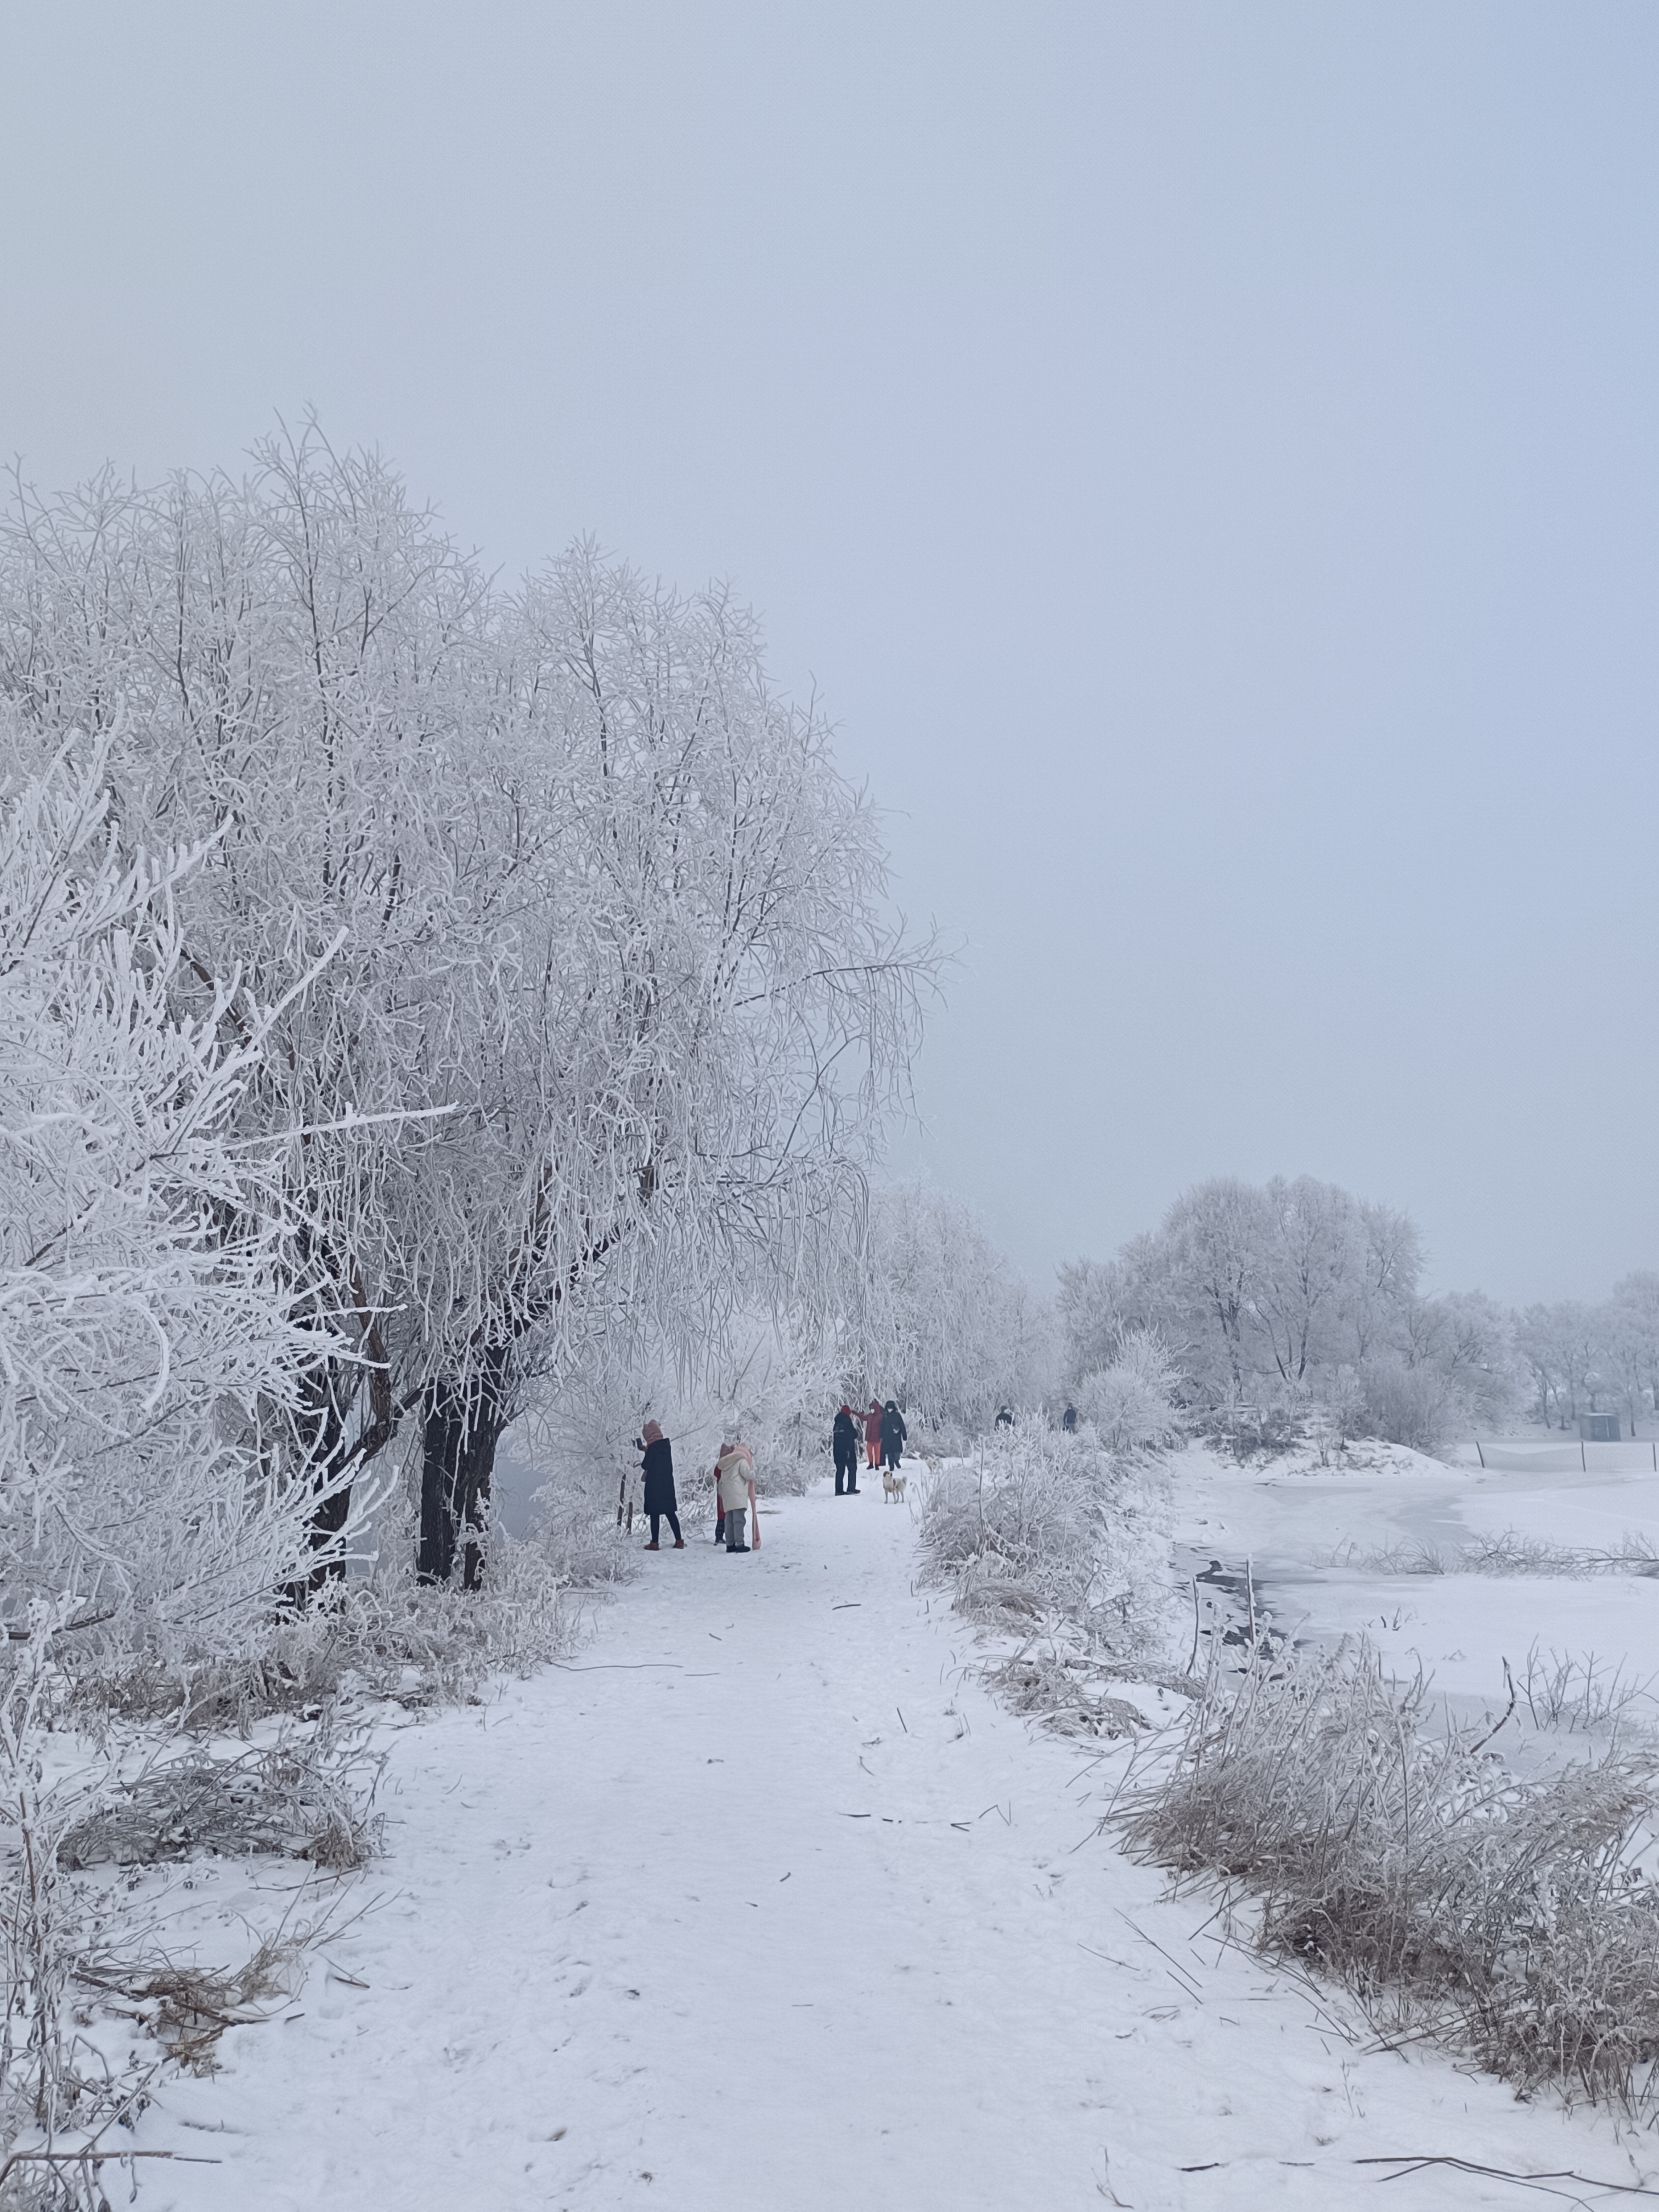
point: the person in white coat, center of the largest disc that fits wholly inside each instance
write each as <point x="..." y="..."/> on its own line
<point x="736" y="1470"/>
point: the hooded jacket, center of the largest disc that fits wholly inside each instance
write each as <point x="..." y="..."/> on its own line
<point x="736" y="1469"/>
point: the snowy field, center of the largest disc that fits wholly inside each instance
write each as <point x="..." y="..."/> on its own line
<point x="762" y="1902"/>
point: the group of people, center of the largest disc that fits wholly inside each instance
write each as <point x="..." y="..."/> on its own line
<point x="734" y="1489"/>
<point x="883" y="1438"/>
<point x="884" y="1442"/>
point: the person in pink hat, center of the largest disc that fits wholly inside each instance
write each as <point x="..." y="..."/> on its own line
<point x="660" y="1502"/>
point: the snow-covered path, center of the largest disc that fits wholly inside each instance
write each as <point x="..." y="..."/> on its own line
<point x="760" y="1904"/>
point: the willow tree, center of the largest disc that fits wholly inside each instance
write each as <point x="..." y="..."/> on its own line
<point x="615" y="1006"/>
<point x="704" y="1006"/>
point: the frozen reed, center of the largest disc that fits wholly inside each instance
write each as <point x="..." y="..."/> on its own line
<point x="1511" y="1916"/>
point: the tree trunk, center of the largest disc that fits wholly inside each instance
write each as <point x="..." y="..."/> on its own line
<point x="332" y="1395"/>
<point x="463" y="1423"/>
<point x="323" y="1422"/>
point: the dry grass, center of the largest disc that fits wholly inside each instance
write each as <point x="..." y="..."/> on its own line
<point x="157" y="1787"/>
<point x="388" y="1639"/>
<point x="1509" y="1914"/>
<point x="1563" y="1691"/>
<point x="1067" y="1692"/>
<point x="186" y="2008"/>
<point x="1509" y="1553"/>
<point x="309" y="1795"/>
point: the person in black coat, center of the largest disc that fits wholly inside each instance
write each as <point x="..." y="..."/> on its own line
<point x="892" y="1435"/>
<point x="1068" y="1420"/>
<point x="847" y="1452"/>
<point x="660" y="1502"/>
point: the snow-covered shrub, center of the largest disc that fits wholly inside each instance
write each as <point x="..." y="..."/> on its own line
<point x="1415" y="1406"/>
<point x="1042" y="1526"/>
<point x="1508" y="1913"/>
<point x="1130" y="1404"/>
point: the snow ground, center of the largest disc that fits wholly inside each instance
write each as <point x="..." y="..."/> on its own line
<point x="762" y="1902"/>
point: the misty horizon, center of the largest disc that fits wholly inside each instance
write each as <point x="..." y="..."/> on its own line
<point x="1204" y="467"/>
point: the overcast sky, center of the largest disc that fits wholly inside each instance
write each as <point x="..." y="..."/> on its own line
<point x="1204" y="456"/>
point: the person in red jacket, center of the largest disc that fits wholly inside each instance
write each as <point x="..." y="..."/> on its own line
<point x="872" y="1433"/>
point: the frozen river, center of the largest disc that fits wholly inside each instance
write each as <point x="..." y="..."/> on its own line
<point x="1331" y="1553"/>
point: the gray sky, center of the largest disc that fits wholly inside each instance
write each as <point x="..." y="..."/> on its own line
<point x="1205" y="457"/>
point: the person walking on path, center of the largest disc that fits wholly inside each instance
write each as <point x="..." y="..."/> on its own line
<point x="736" y="1469"/>
<point x="847" y="1452"/>
<point x="660" y="1502"/>
<point x="872" y="1433"/>
<point x="893" y="1433"/>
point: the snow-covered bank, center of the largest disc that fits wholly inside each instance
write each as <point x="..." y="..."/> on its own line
<point x="762" y="1902"/>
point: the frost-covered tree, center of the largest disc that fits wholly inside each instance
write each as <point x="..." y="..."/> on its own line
<point x="1273" y="1300"/>
<point x="1092" y="1310"/>
<point x="157" y="1332"/>
<point x="717" y="1009"/>
<point x="1202" y="1274"/>
<point x="1467" y="1338"/>
<point x="1561" y="1344"/>
<point x="1630" y="1331"/>
<point x="294" y="671"/>
<point x="937" y="1318"/>
<point x="614" y="982"/>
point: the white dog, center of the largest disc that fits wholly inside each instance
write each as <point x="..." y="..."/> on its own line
<point x="892" y="1484"/>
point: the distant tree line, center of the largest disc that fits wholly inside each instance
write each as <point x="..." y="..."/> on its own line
<point x="1292" y="1302"/>
<point x="1581" y="1358"/>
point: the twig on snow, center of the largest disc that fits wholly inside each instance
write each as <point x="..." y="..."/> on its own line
<point x="1417" y="2163"/>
